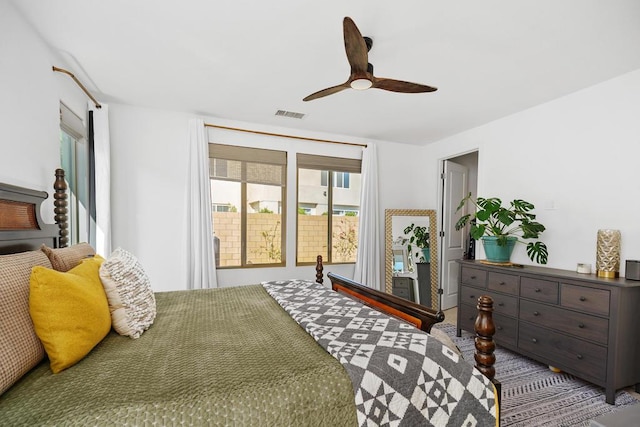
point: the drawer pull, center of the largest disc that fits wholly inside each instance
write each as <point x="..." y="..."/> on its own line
<point x="534" y="340"/>
<point x="583" y="299"/>
<point x="538" y="290"/>
<point x="472" y="296"/>
<point x="579" y="356"/>
<point x="502" y="283"/>
<point x="471" y="318"/>
<point x="473" y="277"/>
<point x="581" y="325"/>
<point x="501" y="304"/>
<point x="499" y="328"/>
<point x="535" y="313"/>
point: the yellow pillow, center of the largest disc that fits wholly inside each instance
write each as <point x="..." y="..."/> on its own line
<point x="69" y="310"/>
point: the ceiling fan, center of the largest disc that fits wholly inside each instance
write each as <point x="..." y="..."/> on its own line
<point x="362" y="77"/>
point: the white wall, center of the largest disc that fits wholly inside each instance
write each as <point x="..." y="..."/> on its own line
<point x="29" y="103"/>
<point x="575" y="158"/>
<point x="149" y="178"/>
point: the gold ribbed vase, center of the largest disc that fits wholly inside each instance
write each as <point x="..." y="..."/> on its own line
<point x="608" y="253"/>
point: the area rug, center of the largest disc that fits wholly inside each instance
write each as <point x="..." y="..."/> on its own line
<point x="532" y="395"/>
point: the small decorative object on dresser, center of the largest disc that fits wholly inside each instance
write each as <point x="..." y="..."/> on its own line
<point x="608" y="253"/>
<point x="584" y="325"/>
<point x="632" y="269"/>
<point x="583" y="268"/>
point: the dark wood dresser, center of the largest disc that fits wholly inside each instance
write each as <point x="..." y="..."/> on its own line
<point x="584" y="325"/>
<point x="402" y="286"/>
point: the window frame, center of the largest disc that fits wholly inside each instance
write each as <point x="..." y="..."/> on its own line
<point x="332" y="165"/>
<point x="247" y="155"/>
<point x="74" y="127"/>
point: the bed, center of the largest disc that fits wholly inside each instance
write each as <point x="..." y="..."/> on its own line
<point x="270" y="354"/>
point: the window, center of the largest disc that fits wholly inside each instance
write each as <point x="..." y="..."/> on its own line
<point x="340" y="179"/>
<point x="327" y="184"/>
<point x="247" y="204"/>
<point x="217" y="207"/>
<point x="74" y="159"/>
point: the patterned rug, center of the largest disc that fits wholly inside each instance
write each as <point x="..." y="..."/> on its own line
<point x="532" y="395"/>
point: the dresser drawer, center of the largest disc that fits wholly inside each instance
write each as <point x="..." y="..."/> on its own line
<point x="579" y="324"/>
<point x="474" y="277"/>
<point x="470" y="295"/>
<point x="504" y="304"/>
<point x="572" y="354"/>
<point x="501" y="282"/>
<point x="587" y="299"/>
<point x="538" y="289"/>
<point x="506" y="328"/>
<point x="467" y="317"/>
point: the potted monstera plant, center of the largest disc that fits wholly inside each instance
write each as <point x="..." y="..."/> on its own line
<point x="419" y="236"/>
<point x="500" y="228"/>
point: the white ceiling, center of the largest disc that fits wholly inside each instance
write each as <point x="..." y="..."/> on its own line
<point x="245" y="59"/>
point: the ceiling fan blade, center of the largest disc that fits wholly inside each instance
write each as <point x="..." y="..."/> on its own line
<point x="355" y="46"/>
<point x="401" y="86"/>
<point x="327" y="91"/>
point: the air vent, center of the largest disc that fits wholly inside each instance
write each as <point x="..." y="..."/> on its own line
<point x="289" y="114"/>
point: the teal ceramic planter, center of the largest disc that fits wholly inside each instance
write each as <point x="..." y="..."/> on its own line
<point x="495" y="252"/>
<point x="426" y="252"/>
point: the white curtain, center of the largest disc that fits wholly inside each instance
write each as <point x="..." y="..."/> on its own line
<point x="367" y="269"/>
<point x="102" y="157"/>
<point x="202" y="270"/>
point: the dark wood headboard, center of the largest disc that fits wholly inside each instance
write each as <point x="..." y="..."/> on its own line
<point x="21" y="226"/>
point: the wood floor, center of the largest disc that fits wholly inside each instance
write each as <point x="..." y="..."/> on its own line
<point x="451" y="315"/>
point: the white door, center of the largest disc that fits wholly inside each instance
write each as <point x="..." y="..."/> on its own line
<point x="453" y="245"/>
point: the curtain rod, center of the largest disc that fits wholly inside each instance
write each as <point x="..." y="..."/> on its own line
<point x="84" y="89"/>
<point x="284" y="136"/>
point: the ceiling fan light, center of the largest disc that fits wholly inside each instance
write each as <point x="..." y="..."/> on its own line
<point x="361" y="84"/>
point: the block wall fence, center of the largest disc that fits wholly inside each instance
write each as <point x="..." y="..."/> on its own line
<point x="264" y="238"/>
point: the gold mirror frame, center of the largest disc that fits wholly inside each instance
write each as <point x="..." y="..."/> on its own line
<point x="433" y="245"/>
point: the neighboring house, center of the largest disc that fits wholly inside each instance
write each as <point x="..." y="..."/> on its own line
<point x="312" y="198"/>
<point x="312" y="195"/>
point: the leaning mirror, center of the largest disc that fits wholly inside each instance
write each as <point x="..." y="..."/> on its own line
<point x="411" y="258"/>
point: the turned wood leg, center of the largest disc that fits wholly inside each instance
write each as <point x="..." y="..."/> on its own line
<point x="485" y="346"/>
<point x="319" y="268"/>
<point x="60" y="204"/>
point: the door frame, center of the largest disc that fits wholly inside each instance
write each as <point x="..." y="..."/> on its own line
<point x="440" y="204"/>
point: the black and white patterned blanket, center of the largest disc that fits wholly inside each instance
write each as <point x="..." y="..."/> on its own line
<point x="401" y="376"/>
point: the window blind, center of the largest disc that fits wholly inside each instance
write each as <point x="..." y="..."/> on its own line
<point x="71" y="123"/>
<point x="261" y="166"/>
<point x="246" y="154"/>
<point x="339" y="164"/>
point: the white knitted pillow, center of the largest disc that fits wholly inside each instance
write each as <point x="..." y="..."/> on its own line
<point x="131" y="300"/>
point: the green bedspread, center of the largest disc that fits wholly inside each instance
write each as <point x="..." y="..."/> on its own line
<point x="212" y="357"/>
